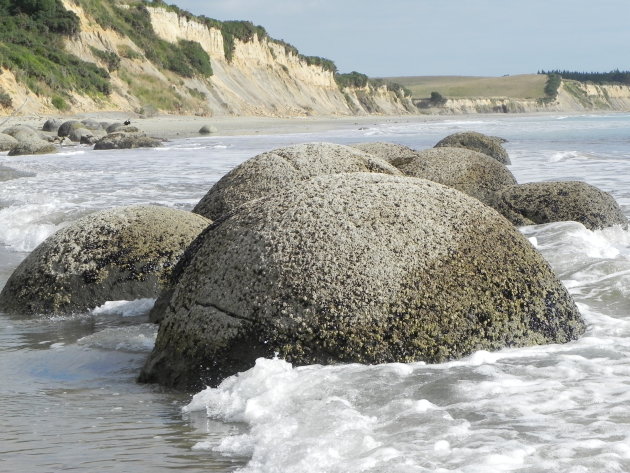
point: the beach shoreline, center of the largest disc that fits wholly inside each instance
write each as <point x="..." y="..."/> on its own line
<point x="187" y="126"/>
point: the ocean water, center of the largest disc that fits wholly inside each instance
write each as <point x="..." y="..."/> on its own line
<point x="69" y="400"/>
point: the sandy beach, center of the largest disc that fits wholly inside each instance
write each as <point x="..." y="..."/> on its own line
<point x="184" y="126"/>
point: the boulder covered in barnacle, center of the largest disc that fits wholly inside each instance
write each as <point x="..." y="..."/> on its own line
<point x="119" y="254"/>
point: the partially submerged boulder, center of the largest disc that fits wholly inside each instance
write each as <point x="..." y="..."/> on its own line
<point x="92" y="124"/>
<point x="7" y="142"/>
<point x="119" y="254"/>
<point x="23" y="133"/>
<point x="545" y="202"/>
<point x="36" y="146"/>
<point x="52" y="125"/>
<point x="122" y="140"/>
<point x="473" y="173"/>
<point x="8" y="173"/>
<point x="66" y="127"/>
<point x="274" y="170"/>
<point x="490" y="145"/>
<point x="356" y="267"/>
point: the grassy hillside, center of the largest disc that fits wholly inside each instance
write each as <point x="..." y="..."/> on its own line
<point x="526" y="86"/>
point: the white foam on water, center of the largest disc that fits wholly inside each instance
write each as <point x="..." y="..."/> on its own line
<point x="133" y="339"/>
<point x="24" y="227"/>
<point x="558" y="407"/>
<point x="125" y="308"/>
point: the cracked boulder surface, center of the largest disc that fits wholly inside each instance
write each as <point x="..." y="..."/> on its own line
<point x="125" y="253"/>
<point x="489" y="145"/>
<point x="558" y="201"/>
<point x="274" y="170"/>
<point x="355" y="267"/>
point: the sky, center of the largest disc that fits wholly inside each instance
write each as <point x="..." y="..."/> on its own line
<point x="389" y="38"/>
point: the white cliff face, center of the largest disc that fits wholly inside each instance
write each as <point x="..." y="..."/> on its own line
<point x="261" y="78"/>
<point x="171" y="27"/>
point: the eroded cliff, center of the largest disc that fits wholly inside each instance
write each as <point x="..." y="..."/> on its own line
<point x="261" y="77"/>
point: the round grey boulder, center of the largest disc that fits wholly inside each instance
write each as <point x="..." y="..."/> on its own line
<point x="270" y="172"/>
<point x="36" y="146"/>
<point x="121" y="140"/>
<point x="113" y="127"/>
<point x="490" y="145"/>
<point x="76" y="134"/>
<point x="52" y="125"/>
<point x="387" y="151"/>
<point x="92" y="124"/>
<point x="207" y="129"/>
<point x="121" y="254"/>
<point x="7" y="142"/>
<point x="23" y="133"/>
<point x="545" y="202"/>
<point x="473" y="173"/>
<point x="356" y="267"/>
<point x="67" y="126"/>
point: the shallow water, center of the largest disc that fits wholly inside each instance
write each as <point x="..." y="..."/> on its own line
<point x="69" y="398"/>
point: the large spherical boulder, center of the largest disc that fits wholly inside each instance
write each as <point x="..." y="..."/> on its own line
<point x="545" y="202"/>
<point x="387" y="151"/>
<point x="122" y="140"/>
<point x="66" y="127"/>
<point x="274" y="170"/>
<point x="356" y="267"/>
<point x="119" y="254"/>
<point x="23" y="133"/>
<point x="7" y="142"/>
<point x="35" y="146"/>
<point x="52" y="125"/>
<point x="490" y="145"/>
<point x="473" y="173"/>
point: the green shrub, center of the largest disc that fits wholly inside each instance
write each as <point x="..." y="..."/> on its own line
<point x="352" y="79"/>
<point x="552" y="85"/>
<point x="196" y="57"/>
<point x="198" y="94"/>
<point x="128" y="52"/>
<point x="5" y="100"/>
<point x="110" y="58"/>
<point x="437" y="99"/>
<point x="31" y="46"/>
<point x="60" y="104"/>
<point x="324" y="63"/>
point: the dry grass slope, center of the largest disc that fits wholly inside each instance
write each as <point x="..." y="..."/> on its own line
<point x="524" y="86"/>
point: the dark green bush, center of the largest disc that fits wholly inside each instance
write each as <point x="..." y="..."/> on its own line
<point x="437" y="99"/>
<point x="196" y="57"/>
<point x="5" y="100"/>
<point x="352" y="79"/>
<point x="31" y="46"/>
<point x="60" y="104"/>
<point x="552" y="85"/>
<point x="108" y="57"/>
<point x="612" y="77"/>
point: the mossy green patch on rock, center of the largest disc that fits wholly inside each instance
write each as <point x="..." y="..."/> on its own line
<point x="356" y="267"/>
<point x="119" y="254"/>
